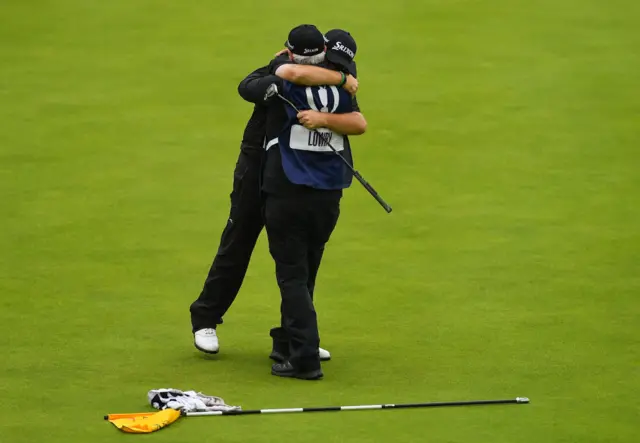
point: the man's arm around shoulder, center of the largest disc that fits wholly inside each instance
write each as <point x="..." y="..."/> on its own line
<point x="307" y="75"/>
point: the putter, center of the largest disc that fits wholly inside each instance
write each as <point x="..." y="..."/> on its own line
<point x="272" y="91"/>
<point x="517" y="400"/>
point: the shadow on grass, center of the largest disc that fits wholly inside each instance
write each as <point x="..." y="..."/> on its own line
<point x="248" y="364"/>
<point x="247" y="356"/>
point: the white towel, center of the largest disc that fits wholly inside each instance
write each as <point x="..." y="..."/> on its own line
<point x="188" y="401"/>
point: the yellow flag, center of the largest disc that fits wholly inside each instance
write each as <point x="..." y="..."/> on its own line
<point x="144" y="422"/>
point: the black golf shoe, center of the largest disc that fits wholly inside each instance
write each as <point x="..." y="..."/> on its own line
<point x="278" y="356"/>
<point x="287" y="370"/>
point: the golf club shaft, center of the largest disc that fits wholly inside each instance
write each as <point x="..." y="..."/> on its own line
<point x="356" y="174"/>
<point x="369" y="188"/>
<point x="518" y="400"/>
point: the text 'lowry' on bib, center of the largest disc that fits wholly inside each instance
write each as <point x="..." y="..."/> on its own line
<point x="304" y="139"/>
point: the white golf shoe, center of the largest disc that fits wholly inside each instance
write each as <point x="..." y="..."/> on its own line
<point x="206" y="340"/>
<point x="324" y="354"/>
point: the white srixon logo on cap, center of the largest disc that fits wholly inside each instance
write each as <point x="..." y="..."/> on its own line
<point x="340" y="47"/>
<point x="306" y="51"/>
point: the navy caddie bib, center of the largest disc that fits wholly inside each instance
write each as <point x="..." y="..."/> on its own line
<point x="306" y="156"/>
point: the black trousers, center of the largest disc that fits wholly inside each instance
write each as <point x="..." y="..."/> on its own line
<point x="298" y="229"/>
<point x="236" y="244"/>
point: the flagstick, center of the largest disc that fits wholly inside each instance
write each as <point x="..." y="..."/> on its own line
<point x="517" y="400"/>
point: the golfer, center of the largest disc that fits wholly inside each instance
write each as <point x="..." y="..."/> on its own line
<point x="303" y="182"/>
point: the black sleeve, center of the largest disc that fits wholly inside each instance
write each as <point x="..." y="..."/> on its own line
<point x="253" y="87"/>
<point x="277" y="62"/>
<point x="354" y="101"/>
<point x="353" y="70"/>
<point x="354" y="104"/>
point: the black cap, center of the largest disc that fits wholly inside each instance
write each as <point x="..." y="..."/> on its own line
<point x="341" y="48"/>
<point x="305" y="40"/>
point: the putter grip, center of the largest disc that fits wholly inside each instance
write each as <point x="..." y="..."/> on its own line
<point x="372" y="191"/>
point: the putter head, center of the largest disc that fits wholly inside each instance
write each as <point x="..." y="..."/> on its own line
<point x="272" y="91"/>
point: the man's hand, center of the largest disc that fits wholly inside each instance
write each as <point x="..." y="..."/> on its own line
<point x="280" y="52"/>
<point x="351" y="85"/>
<point x="312" y="119"/>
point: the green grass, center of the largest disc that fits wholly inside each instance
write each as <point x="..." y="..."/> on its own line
<point x="504" y="133"/>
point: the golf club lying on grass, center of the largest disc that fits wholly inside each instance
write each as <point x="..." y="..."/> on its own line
<point x="517" y="400"/>
<point x="272" y="91"/>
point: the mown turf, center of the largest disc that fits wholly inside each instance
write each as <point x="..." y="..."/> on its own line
<point x="504" y="133"/>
